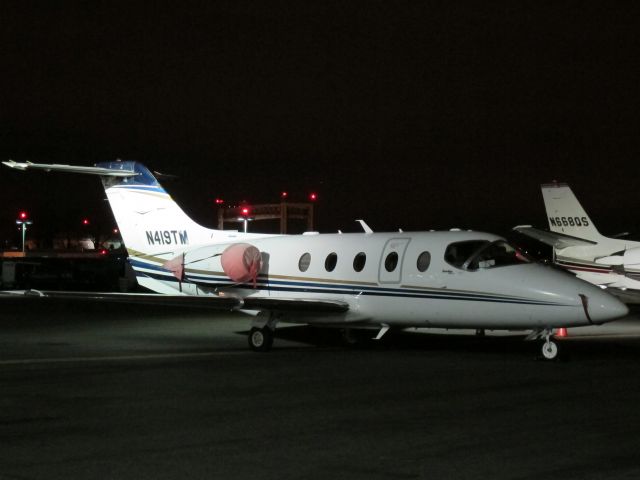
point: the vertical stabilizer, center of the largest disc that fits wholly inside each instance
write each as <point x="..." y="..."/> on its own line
<point x="565" y="214"/>
<point x="150" y="222"/>
<point x="148" y="218"/>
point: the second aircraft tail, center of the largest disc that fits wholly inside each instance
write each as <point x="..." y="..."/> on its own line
<point x="565" y="214"/>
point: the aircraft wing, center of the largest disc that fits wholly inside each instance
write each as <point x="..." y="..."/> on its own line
<point x="214" y="302"/>
<point x="294" y="305"/>
<point x="556" y="240"/>
<point x="206" y="301"/>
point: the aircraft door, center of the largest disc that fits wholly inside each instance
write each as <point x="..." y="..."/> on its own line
<point x="390" y="268"/>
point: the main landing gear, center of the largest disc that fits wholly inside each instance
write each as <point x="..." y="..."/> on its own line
<point x="261" y="339"/>
<point x="262" y="332"/>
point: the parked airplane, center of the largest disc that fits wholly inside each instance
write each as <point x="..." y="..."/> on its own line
<point x="454" y="279"/>
<point x="613" y="263"/>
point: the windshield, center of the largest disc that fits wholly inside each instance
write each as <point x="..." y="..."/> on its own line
<point x="475" y="254"/>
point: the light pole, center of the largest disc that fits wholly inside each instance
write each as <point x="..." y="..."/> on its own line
<point x="245" y="212"/>
<point x="23" y="221"/>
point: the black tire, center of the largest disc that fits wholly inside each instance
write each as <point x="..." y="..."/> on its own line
<point x="261" y="339"/>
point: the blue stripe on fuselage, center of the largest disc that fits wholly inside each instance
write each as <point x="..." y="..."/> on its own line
<point x="212" y="280"/>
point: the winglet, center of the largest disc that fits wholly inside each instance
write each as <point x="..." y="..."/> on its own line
<point x="12" y="164"/>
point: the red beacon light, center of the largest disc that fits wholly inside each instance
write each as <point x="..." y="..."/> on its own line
<point x="23" y="215"/>
<point x="313" y="196"/>
<point x="219" y="201"/>
<point x="244" y="211"/>
<point x="284" y="195"/>
<point x="85" y="221"/>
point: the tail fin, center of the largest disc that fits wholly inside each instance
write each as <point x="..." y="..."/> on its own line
<point x="565" y="214"/>
<point x="149" y="220"/>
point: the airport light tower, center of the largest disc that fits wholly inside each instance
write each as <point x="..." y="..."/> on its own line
<point x="23" y="221"/>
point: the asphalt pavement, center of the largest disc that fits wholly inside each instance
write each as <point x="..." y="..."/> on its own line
<point x="118" y="392"/>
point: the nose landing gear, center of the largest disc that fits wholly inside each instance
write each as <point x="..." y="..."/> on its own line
<point x="549" y="349"/>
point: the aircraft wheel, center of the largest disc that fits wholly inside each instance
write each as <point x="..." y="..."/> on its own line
<point x="261" y="339"/>
<point x="549" y="350"/>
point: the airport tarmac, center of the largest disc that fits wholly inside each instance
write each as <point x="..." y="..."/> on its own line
<point x="118" y="392"/>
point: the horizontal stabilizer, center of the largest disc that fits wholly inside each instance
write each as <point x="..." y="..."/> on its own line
<point x="55" y="167"/>
<point x="556" y="240"/>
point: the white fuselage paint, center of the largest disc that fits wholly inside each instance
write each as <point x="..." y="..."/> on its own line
<point x="517" y="296"/>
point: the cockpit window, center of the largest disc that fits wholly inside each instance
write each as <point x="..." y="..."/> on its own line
<point x="458" y="253"/>
<point x="481" y="254"/>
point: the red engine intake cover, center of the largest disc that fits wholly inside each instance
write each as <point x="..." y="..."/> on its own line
<point x="241" y="262"/>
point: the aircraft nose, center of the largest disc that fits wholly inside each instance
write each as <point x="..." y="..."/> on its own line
<point x="602" y="307"/>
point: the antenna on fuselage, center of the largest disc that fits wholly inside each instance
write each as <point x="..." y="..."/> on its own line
<point x="365" y="227"/>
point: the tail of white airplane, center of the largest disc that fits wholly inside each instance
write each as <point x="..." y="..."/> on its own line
<point x="150" y="221"/>
<point x="565" y="214"/>
<point x="148" y="218"/>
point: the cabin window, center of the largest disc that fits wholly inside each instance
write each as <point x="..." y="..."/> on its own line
<point x="391" y="262"/>
<point x="331" y="261"/>
<point x="481" y="254"/>
<point x="359" y="261"/>
<point x="424" y="259"/>
<point x="304" y="262"/>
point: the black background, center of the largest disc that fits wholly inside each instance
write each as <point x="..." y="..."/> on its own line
<point x="416" y="115"/>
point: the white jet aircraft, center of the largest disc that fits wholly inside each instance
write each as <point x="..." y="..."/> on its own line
<point x="612" y="263"/>
<point x="452" y="279"/>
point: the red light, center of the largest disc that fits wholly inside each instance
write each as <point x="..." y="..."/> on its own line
<point x="23" y="215"/>
<point x="244" y="211"/>
<point x="313" y="197"/>
<point x="103" y="251"/>
<point x="284" y="195"/>
<point x="219" y="201"/>
<point x="85" y="221"/>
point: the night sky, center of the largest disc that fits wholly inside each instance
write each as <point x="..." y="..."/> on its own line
<point x="417" y="115"/>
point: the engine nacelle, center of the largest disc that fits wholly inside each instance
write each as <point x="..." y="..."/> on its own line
<point x="632" y="258"/>
<point x="629" y="259"/>
<point x="241" y="262"/>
